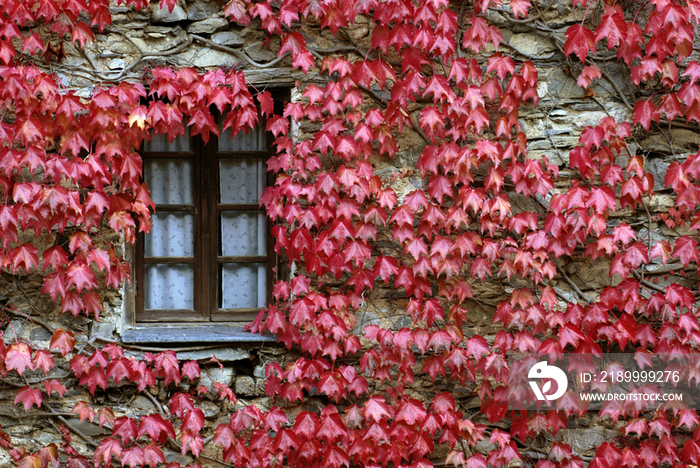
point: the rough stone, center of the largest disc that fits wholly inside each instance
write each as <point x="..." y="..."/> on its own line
<point x="359" y="29"/>
<point x="367" y="318"/>
<point x="259" y="54"/>
<point x="229" y="38"/>
<point x="86" y="92"/>
<point x="201" y="10"/>
<point x="89" y="429"/>
<point x="207" y="26"/>
<point x="157" y="29"/>
<point x="103" y="329"/>
<point x="531" y="44"/>
<point x="144" y="403"/>
<point x="163" y="15"/>
<point x="586" y="441"/>
<point x="263" y="404"/>
<point x="210" y="409"/>
<point x="40" y="334"/>
<point x="207" y="57"/>
<point x="124" y="47"/>
<point x="5" y="458"/>
<point x="135" y="25"/>
<point x="223" y="376"/>
<point x="657" y="168"/>
<point x="259" y="372"/>
<point x="245" y="385"/>
<point x="117" y="64"/>
<point x="223" y="355"/>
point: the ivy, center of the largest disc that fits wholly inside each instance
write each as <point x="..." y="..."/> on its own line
<point x="69" y="166"/>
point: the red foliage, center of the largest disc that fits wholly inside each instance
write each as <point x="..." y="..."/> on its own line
<point x="338" y="219"/>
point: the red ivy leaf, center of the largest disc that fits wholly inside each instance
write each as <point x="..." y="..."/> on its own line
<point x="579" y="40"/>
<point x="29" y="396"/>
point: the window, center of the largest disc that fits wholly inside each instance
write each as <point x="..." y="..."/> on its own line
<point x="208" y="257"/>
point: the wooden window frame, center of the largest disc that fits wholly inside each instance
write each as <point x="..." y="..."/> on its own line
<point x="207" y="257"/>
<point x="228" y="324"/>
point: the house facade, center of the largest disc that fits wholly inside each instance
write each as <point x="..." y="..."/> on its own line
<point x="216" y="247"/>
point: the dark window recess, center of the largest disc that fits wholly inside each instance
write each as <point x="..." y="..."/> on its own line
<point x="209" y="256"/>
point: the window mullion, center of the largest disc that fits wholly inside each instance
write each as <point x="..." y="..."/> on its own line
<point x="201" y="265"/>
<point x="209" y="187"/>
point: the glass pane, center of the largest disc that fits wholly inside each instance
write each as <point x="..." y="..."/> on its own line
<point x="243" y="285"/>
<point x="243" y="233"/>
<point x="172" y="235"/>
<point x="169" y="286"/>
<point x="161" y="144"/>
<point x="242" y="180"/>
<point x="254" y="140"/>
<point x="170" y="180"/>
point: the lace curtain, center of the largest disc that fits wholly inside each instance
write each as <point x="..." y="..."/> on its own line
<point x="242" y="233"/>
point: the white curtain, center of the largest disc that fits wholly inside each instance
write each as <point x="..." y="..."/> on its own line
<point x="170" y="181"/>
<point x="161" y="144"/>
<point x="169" y="286"/>
<point x="242" y="180"/>
<point x="243" y="233"/>
<point x="172" y="235"/>
<point x="244" y="285"/>
<point x="254" y="140"/>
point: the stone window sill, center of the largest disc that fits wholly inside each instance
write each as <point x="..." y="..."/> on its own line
<point x="187" y="333"/>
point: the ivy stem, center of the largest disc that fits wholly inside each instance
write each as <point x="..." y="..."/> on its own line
<point x="585" y="15"/>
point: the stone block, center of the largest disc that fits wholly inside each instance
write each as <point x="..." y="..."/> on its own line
<point x="532" y="44"/>
<point x="259" y="372"/>
<point x="201" y="10"/>
<point x="228" y="38"/>
<point x="259" y="54"/>
<point x="143" y="402"/>
<point x="223" y="354"/>
<point x="658" y="169"/>
<point x="163" y="15"/>
<point x="223" y="376"/>
<point x="209" y="409"/>
<point x="207" y="26"/>
<point x="245" y="386"/>
<point x="88" y="428"/>
<point x="206" y="57"/>
<point x="117" y="64"/>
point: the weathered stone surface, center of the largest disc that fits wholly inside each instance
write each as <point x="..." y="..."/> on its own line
<point x="532" y="44"/>
<point x="208" y="57"/>
<point x="40" y="334"/>
<point x="263" y="404"/>
<point x="117" y="64"/>
<point x="359" y="29"/>
<point x="207" y="26"/>
<point x="259" y="372"/>
<point x="143" y="402"/>
<point x="201" y="10"/>
<point x="5" y="458"/>
<point x="103" y="330"/>
<point x="227" y="38"/>
<point x="259" y="54"/>
<point x="657" y="168"/>
<point x="586" y="441"/>
<point x="158" y="29"/>
<point x="89" y="429"/>
<point x="210" y="409"/>
<point x="245" y="385"/>
<point x="163" y="15"/>
<point x="223" y="354"/>
<point x="223" y="376"/>
<point x="135" y="25"/>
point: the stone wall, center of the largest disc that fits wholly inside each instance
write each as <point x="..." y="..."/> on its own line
<point x="196" y="34"/>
